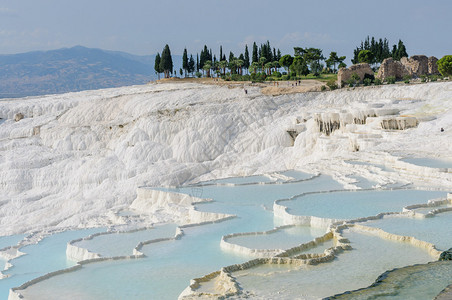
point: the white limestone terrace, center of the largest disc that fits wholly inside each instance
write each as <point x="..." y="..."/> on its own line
<point x="77" y="157"/>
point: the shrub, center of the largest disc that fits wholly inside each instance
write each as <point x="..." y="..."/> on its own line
<point x="424" y="78"/>
<point x="353" y="80"/>
<point x="377" y="81"/>
<point x="332" y="84"/>
<point x="236" y="77"/>
<point x="277" y="74"/>
<point x="406" y="79"/>
<point x="391" y="79"/>
<point x="285" y="77"/>
<point x="367" y="81"/>
<point x="445" y="65"/>
<point x="323" y="88"/>
<point x="198" y="74"/>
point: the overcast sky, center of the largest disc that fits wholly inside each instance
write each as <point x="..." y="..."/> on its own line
<point x="145" y="26"/>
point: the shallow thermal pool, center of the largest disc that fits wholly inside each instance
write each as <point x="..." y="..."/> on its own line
<point x="352" y="269"/>
<point x="170" y="265"/>
<point x="122" y="244"/>
<point x="436" y="229"/>
<point x="429" y="162"/>
<point x="281" y="239"/>
<point x="46" y="256"/>
<point x="359" y="204"/>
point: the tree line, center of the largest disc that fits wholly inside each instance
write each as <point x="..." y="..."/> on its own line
<point x="266" y="61"/>
<point x="374" y="51"/>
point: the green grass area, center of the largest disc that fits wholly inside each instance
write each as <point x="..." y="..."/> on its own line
<point x="322" y="77"/>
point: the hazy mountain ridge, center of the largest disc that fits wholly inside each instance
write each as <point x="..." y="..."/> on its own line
<point x="71" y="69"/>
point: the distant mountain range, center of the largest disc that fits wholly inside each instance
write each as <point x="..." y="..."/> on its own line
<point x="73" y="69"/>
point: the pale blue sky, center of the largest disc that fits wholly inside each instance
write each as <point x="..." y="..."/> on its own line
<point x="145" y="26"/>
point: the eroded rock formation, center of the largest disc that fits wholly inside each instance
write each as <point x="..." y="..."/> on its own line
<point x="392" y="68"/>
<point x="345" y="74"/>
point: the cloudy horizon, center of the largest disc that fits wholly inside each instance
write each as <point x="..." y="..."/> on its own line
<point x="143" y="27"/>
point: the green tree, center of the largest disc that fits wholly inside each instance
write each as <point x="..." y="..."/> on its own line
<point x="166" y="61"/>
<point x="445" y="65"/>
<point x="206" y="67"/>
<point x="223" y="64"/>
<point x="334" y="59"/>
<point x="262" y="61"/>
<point x="191" y="65"/>
<point x="255" y="57"/>
<point x="246" y="61"/>
<point x="197" y="63"/>
<point x="316" y="68"/>
<point x="185" y="62"/>
<point x="366" y="56"/>
<point x="268" y="67"/>
<point x="278" y="54"/>
<point x="157" y="65"/>
<point x="239" y="63"/>
<point x="286" y="61"/>
<point x="401" y="51"/>
<point x="182" y="72"/>
<point x="299" y="66"/>
<point x="253" y="67"/>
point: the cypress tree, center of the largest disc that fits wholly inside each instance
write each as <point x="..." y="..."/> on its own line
<point x="197" y="62"/>
<point x="221" y="52"/>
<point x="185" y="62"/>
<point x="269" y="55"/>
<point x="246" y="61"/>
<point x="157" y="65"/>
<point x="166" y="61"/>
<point x="401" y="51"/>
<point x="191" y="65"/>
<point x="231" y="56"/>
<point x="255" y="57"/>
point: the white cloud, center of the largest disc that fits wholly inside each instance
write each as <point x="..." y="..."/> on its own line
<point x="7" y="12"/>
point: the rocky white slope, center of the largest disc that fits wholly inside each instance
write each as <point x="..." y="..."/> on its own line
<point x="76" y="158"/>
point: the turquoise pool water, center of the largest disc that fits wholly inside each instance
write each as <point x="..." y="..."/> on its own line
<point x="353" y="205"/>
<point x="11" y="240"/>
<point x="122" y="244"/>
<point x="282" y="239"/>
<point x="352" y="269"/>
<point x="170" y="265"/>
<point x="47" y="256"/>
<point x="436" y="230"/>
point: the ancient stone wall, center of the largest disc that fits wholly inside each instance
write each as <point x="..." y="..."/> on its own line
<point x="392" y="68"/>
<point x="344" y="74"/>
<point x="417" y="65"/>
<point x="432" y="66"/>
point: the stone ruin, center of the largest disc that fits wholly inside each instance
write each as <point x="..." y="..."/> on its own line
<point x="392" y="68"/>
<point x="432" y="66"/>
<point x="344" y="74"/>
<point x="415" y="66"/>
